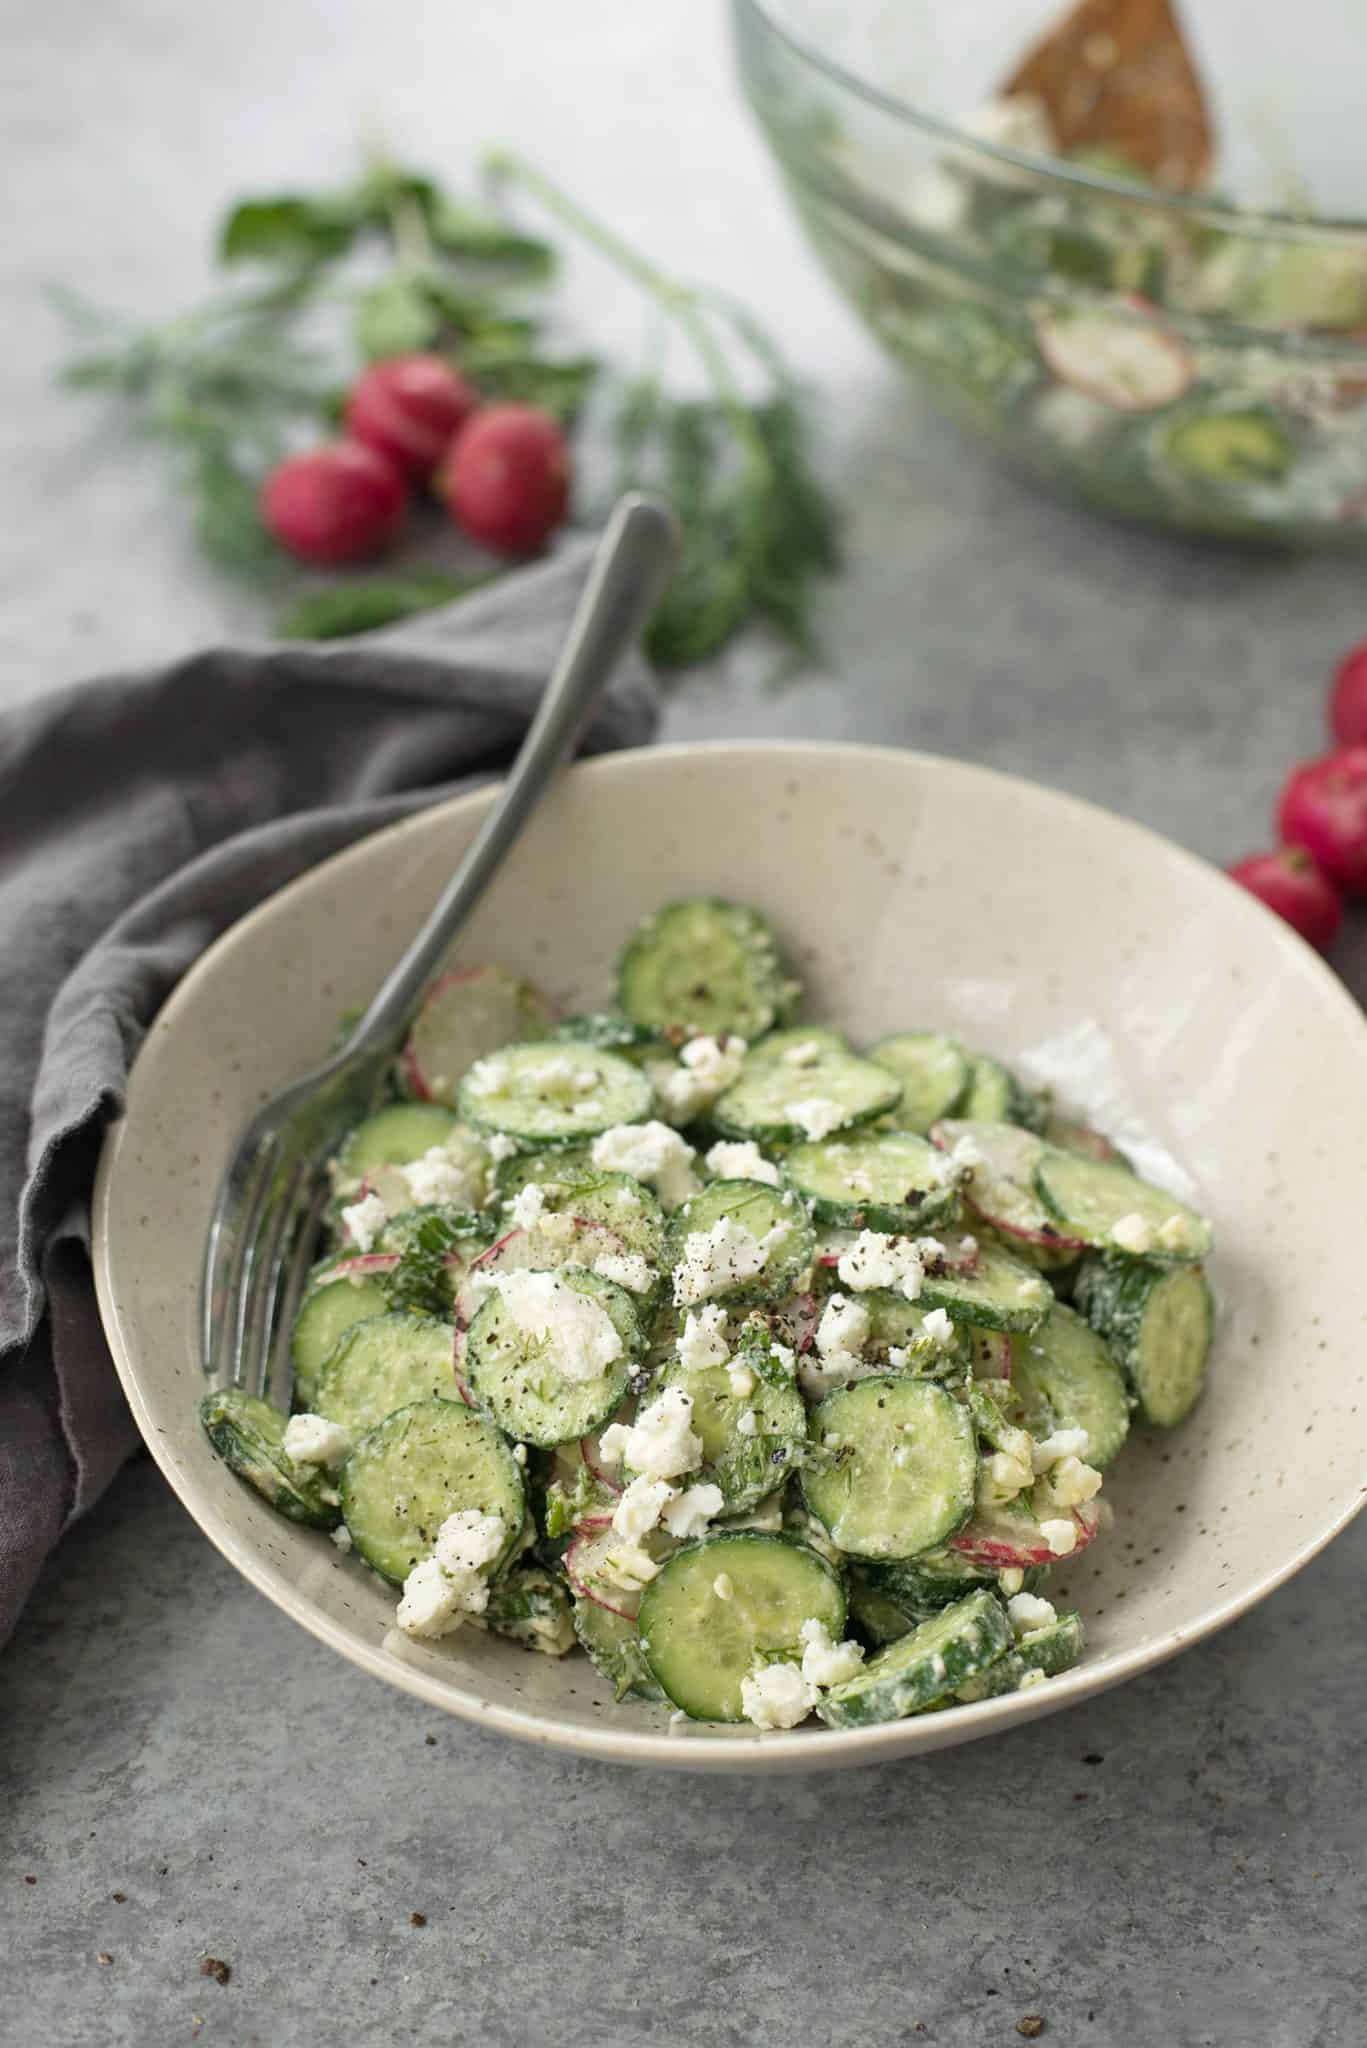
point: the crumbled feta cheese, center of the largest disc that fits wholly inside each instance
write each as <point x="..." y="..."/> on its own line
<point x="1133" y="1235"/>
<point x="876" y="1260"/>
<point x="723" y="1586"/>
<point x="741" y="1382"/>
<point x="628" y="1566"/>
<point x="641" y="1506"/>
<point x="747" y="1423"/>
<point x="720" y="1257"/>
<point x="1031" y="1678"/>
<point x="431" y="1603"/>
<point x="688" y="1514"/>
<point x="1063" y="1443"/>
<point x="580" y="1334"/>
<point x="650" y="1152"/>
<point x="1180" y="1234"/>
<point x="1060" y="1534"/>
<point x="844" y="1327"/>
<point x="519" y="1454"/>
<point x="438" y="1177"/>
<point x="1010" y="1580"/>
<point x="807" y="1053"/>
<point x="1069" y="1483"/>
<point x="778" y="1696"/>
<point x="1029" y="1614"/>
<point x="968" y="1247"/>
<point x="702" y="1341"/>
<point x="469" y="1539"/>
<point x="313" y="1440"/>
<point x="741" y="1162"/>
<point x="958" y="1162"/>
<point x="938" y="1327"/>
<point x="528" y="1206"/>
<point x="660" y="1444"/>
<point x="559" y="1077"/>
<point x="898" y="1354"/>
<point x="817" y="1116"/>
<point x="486" y="1077"/>
<point x="825" y="1663"/>
<point x="930" y="1251"/>
<point x="500" y="1146"/>
<point x="1002" y="1475"/>
<point x="625" y="1269"/>
<point x="715" y="1063"/>
<point x="364" y="1220"/>
<point x="706" y="1068"/>
<point x="341" y="1536"/>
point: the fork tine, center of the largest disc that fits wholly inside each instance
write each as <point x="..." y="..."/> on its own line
<point x="260" y="1281"/>
<point x="309" y="1201"/>
<point x="229" y="1271"/>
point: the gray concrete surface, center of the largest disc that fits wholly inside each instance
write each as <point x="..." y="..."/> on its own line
<point x="1178" y="1863"/>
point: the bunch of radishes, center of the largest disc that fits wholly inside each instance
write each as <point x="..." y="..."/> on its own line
<point x="1322" y="820"/>
<point x="414" y="423"/>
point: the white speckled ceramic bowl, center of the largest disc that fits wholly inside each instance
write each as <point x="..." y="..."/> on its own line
<point x="912" y="891"/>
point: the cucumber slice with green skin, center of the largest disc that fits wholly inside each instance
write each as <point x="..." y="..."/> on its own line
<point x="532" y="1609"/>
<point x="895" y="1322"/>
<point x="933" y="1071"/>
<point x="388" y="1362"/>
<point x="1090" y="1198"/>
<point x="994" y="1095"/>
<point x="745" y="1466"/>
<point x="1064" y="1377"/>
<point x="921" y="1586"/>
<point x="1001" y="1187"/>
<point x="528" y="1383"/>
<point x="873" y="1180"/>
<point x="249" y="1436"/>
<point x="324" y="1318"/>
<point x="563" y="1166"/>
<point x="777" y="1102"/>
<point x="812" y="1040"/>
<point x="561" y="1241"/>
<point x="1051" y="1649"/>
<point x="705" y="967"/>
<point x="763" y="1212"/>
<point x="1158" y="1322"/>
<point x="986" y="1287"/>
<point x="875" y="1615"/>
<point x="701" y="1645"/>
<point x="415" y="1468"/>
<point x="615" y="1200"/>
<point x="465" y="1016"/>
<point x="395" y="1136"/>
<point x="549" y="1094"/>
<point x="615" y="1032"/>
<point x="613" y="1647"/>
<point x="900" y="1470"/>
<point x="940" y="1655"/>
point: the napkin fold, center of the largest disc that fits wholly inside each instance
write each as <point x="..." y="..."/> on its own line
<point x="140" y="815"/>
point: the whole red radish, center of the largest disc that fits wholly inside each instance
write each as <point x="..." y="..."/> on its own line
<point x="1348" y="697"/>
<point x="1324" y="809"/>
<point x="1288" y="882"/>
<point x="507" y="478"/>
<point x="340" y="503"/>
<point x="410" y="408"/>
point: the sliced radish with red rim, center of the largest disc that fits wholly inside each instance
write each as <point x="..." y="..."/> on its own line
<point x="466" y="1015"/>
<point x="1115" y="352"/>
<point x="1001" y="1186"/>
<point x="584" y="1557"/>
<point x="1010" y="1538"/>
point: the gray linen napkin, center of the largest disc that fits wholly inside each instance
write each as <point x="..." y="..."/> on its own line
<point x="139" y="816"/>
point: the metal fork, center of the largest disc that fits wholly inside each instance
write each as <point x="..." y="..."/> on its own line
<point x="272" y="1196"/>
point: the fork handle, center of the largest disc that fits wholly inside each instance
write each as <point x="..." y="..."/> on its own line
<point x="630" y="569"/>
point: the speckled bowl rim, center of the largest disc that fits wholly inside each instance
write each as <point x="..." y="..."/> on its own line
<point x="811" y="1747"/>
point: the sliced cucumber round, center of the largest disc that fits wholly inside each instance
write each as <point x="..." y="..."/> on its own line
<point x="898" y="1466"/>
<point x="616" y="1201"/>
<point x="385" y="1363"/>
<point x="896" y="1323"/>
<point x="745" y="1462"/>
<point x="1158" y="1323"/>
<point x="325" y="1315"/>
<point x="985" y="1287"/>
<point x="533" y="1381"/>
<point x="249" y="1435"/>
<point x="550" y="1094"/>
<point x="933" y="1071"/>
<point x="395" y="1136"/>
<point x="615" y="1032"/>
<point x="613" y="1647"/>
<point x="874" y="1180"/>
<point x="778" y="1101"/>
<point x="941" y="1654"/>
<point x="705" y="966"/>
<point x="415" y="1468"/>
<point x="772" y="1217"/>
<point x="1063" y="1377"/>
<point x="1095" y="1199"/>
<point x="465" y="1016"/>
<point x="1051" y="1649"/>
<point x="701" y="1644"/>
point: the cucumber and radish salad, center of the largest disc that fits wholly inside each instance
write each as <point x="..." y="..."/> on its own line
<point x="774" y="1372"/>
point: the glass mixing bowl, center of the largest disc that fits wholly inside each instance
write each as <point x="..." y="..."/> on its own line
<point x="1196" y="361"/>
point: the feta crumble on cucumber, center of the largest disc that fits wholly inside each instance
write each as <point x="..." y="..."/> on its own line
<point x="774" y="1373"/>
